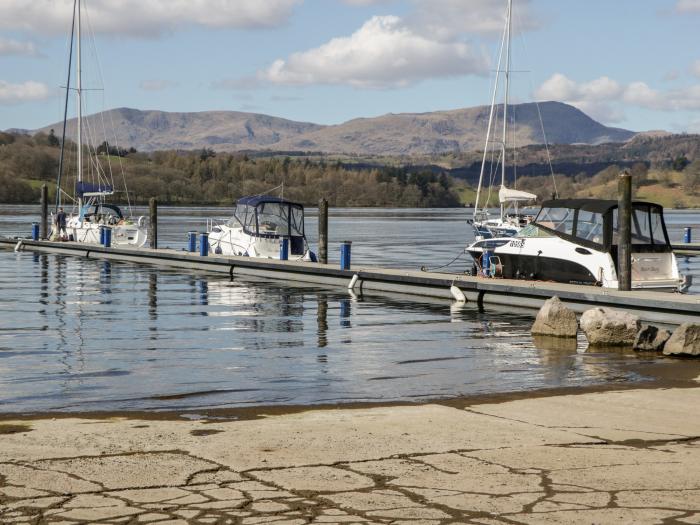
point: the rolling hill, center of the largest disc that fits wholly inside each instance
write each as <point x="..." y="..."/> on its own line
<point x="439" y="132"/>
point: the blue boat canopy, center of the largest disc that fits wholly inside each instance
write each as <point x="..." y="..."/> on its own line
<point x="88" y="189"/>
<point x="261" y="199"/>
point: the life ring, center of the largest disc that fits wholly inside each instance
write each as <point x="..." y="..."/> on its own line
<point x="141" y="221"/>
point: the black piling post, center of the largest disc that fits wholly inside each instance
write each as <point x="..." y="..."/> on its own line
<point x="153" y="223"/>
<point x="323" y="231"/>
<point x="624" y="231"/>
<point x="44" y="233"/>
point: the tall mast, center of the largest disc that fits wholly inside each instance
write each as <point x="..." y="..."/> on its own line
<point x="80" y="115"/>
<point x="505" y="99"/>
<point x="491" y="125"/>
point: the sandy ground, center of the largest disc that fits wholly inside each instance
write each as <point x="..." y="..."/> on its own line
<point x="609" y="457"/>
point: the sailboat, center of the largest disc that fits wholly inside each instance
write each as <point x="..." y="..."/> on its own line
<point x="91" y="213"/>
<point x="511" y="220"/>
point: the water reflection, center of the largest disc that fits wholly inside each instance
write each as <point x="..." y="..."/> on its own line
<point x="117" y="336"/>
<point x="322" y="321"/>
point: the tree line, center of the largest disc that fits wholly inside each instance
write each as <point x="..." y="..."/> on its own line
<point x="214" y="178"/>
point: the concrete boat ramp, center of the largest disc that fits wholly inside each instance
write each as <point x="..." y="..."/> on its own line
<point x="668" y="308"/>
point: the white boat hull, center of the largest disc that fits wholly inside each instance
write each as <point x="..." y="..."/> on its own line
<point x="126" y="234"/>
<point x="225" y="240"/>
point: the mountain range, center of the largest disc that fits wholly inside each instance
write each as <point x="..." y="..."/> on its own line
<point x="439" y="132"/>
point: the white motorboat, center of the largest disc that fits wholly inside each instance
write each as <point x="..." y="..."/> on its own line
<point x="91" y="212"/>
<point x="576" y="241"/>
<point x="258" y="226"/>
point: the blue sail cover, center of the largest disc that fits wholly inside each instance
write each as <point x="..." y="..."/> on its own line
<point x="90" y="189"/>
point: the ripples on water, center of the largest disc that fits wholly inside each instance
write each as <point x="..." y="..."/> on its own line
<point x="89" y="335"/>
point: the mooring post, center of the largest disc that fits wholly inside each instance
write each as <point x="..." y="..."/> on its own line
<point x="204" y="244"/>
<point x="323" y="231"/>
<point x="44" y="234"/>
<point x="284" y="249"/>
<point x="624" y="231"/>
<point x="345" y="254"/>
<point x="191" y="242"/>
<point x="153" y="223"/>
<point x="688" y="235"/>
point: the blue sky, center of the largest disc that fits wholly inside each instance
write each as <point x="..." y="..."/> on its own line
<point x="628" y="63"/>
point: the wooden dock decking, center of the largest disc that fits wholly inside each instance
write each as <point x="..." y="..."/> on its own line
<point x="668" y="308"/>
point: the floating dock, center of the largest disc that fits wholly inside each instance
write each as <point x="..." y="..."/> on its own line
<point x="667" y="308"/>
<point x="692" y="248"/>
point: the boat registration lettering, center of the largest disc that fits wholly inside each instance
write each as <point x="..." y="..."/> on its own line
<point x="519" y="243"/>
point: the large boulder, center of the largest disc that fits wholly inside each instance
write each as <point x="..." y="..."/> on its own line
<point x="685" y="341"/>
<point x="651" y="339"/>
<point x="608" y="327"/>
<point x="555" y="320"/>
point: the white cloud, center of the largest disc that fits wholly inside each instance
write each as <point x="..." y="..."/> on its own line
<point x="695" y="68"/>
<point x="144" y="17"/>
<point x="594" y="97"/>
<point x="383" y="53"/>
<point x="24" y="92"/>
<point x="365" y="2"/>
<point x="604" y="98"/>
<point x="157" y="84"/>
<point x="682" y="99"/>
<point x="10" y="47"/>
<point x="688" y="6"/>
<point x="447" y="19"/>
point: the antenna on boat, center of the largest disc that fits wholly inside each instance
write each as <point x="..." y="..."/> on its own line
<point x="65" y="112"/>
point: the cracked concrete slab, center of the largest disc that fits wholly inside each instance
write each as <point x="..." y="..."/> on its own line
<point x="665" y="414"/>
<point x="528" y="461"/>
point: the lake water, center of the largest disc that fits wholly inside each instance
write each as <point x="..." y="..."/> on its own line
<point x="85" y="335"/>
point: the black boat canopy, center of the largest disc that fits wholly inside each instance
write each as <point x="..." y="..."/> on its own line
<point x="594" y="223"/>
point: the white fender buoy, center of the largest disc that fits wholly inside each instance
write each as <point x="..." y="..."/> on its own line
<point x="18" y="246"/>
<point x="353" y="282"/>
<point x="457" y="294"/>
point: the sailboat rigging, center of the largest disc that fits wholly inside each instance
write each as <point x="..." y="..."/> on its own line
<point x="510" y="220"/>
<point x="91" y="212"/>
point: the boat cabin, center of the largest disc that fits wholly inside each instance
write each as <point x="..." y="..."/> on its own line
<point x="101" y="213"/>
<point x="271" y="218"/>
<point x="593" y="223"/>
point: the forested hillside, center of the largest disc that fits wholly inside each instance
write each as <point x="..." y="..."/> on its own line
<point x="207" y="177"/>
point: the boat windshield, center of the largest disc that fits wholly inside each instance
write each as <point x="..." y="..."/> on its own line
<point x="243" y="216"/>
<point x="590" y="226"/>
<point x="582" y="224"/>
<point x="557" y="219"/>
<point x="531" y="231"/>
